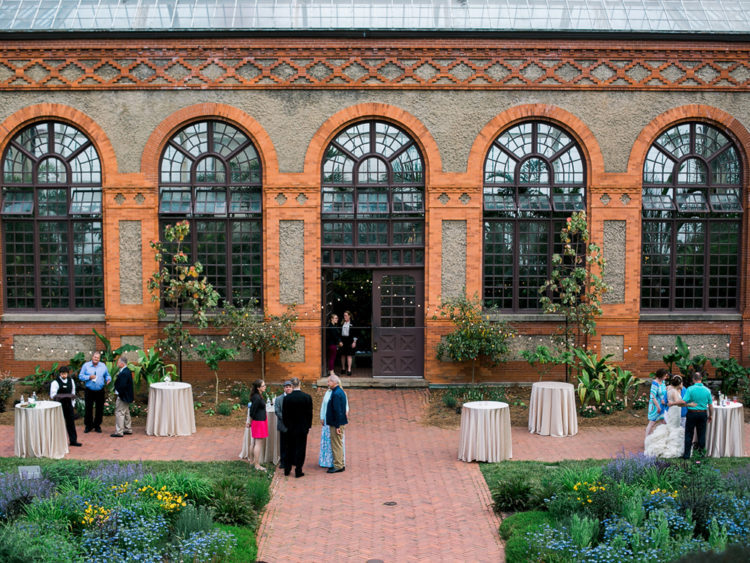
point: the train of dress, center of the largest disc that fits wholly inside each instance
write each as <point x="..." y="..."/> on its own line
<point x="667" y="440"/>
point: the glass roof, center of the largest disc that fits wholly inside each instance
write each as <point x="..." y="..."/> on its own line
<point x="651" y="16"/>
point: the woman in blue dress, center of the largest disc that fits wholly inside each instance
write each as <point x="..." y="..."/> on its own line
<point x="657" y="401"/>
<point x="325" y="459"/>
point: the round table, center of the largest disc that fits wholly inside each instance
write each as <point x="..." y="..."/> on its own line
<point x="485" y="432"/>
<point x="170" y="409"/>
<point x="724" y="434"/>
<point x="552" y="409"/>
<point x="40" y="431"/>
<point x="271" y="446"/>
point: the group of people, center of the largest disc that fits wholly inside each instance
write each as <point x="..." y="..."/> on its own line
<point x="94" y="376"/>
<point x="685" y="413"/>
<point x="294" y="413"/>
<point x="341" y="341"/>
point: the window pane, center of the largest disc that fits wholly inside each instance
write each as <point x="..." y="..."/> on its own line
<point x="723" y="280"/>
<point x="689" y="266"/>
<point x="67" y="140"/>
<point x="517" y="140"/>
<point x="658" y="168"/>
<point x="372" y="171"/>
<point x="193" y="139"/>
<point x="708" y="139"/>
<point x="338" y="200"/>
<point x="691" y="200"/>
<point x="498" y="264"/>
<point x="88" y="267"/>
<point x="532" y="260"/>
<point x="656" y="265"/>
<point x="372" y="233"/>
<point x="676" y="141"/>
<point x="210" y="170"/>
<point x="19" y="264"/>
<point x="550" y="140"/>
<point x="35" y="139"/>
<point x="227" y="139"/>
<point x="53" y="202"/>
<point x="86" y="201"/>
<point x="534" y="171"/>
<point x="534" y="199"/>
<point x="500" y="167"/>
<point x="245" y="201"/>
<point x="389" y="139"/>
<point x="692" y="171"/>
<point x="568" y="168"/>
<point x="53" y="264"/>
<point x="211" y="239"/>
<point x="372" y="202"/>
<point x="658" y="198"/>
<point x="247" y="260"/>
<point x="18" y="202"/>
<point x="52" y="171"/>
<point x="499" y="199"/>
<point x="18" y="168"/>
<point x="337" y="167"/>
<point x="175" y="201"/>
<point x="356" y="140"/>
<point x="567" y="199"/>
<point x="409" y="233"/>
<point x="175" y="166"/>
<point x="86" y="168"/>
<point x="337" y="234"/>
<point x="408" y="200"/>
<point x="407" y="167"/>
<point x="725" y="168"/>
<point x="726" y="200"/>
<point x="210" y="201"/>
<point x="245" y="167"/>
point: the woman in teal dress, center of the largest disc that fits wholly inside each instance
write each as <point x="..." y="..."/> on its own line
<point x="657" y="399"/>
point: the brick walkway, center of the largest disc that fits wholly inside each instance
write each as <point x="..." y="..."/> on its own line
<point x="442" y="510"/>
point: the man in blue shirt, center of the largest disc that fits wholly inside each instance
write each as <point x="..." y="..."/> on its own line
<point x="700" y="410"/>
<point x="94" y="376"/>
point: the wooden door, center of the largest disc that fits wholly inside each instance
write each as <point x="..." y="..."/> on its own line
<point x="398" y="323"/>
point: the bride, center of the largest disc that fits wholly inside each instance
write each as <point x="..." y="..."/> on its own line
<point x="668" y="440"/>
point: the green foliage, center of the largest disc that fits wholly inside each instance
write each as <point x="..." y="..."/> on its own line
<point x="180" y="287"/>
<point x="246" y="549"/>
<point x="515" y="494"/>
<point x="734" y="377"/>
<point x="450" y="401"/>
<point x="232" y="504"/>
<point x="717" y="536"/>
<point x="224" y="409"/>
<point x="41" y="378"/>
<point x="23" y="541"/>
<point x="682" y="359"/>
<point x="151" y="368"/>
<point x="544" y="358"/>
<point x="260" y="333"/>
<point x="190" y="484"/>
<point x="627" y="384"/>
<point x="596" y="379"/>
<point x="640" y="402"/>
<point x="64" y="472"/>
<point x="108" y="355"/>
<point x="212" y="354"/>
<point x="7" y="386"/>
<point x="193" y="519"/>
<point x="474" y="337"/>
<point x="513" y="530"/>
<point x="584" y="530"/>
<point x="466" y="394"/>
<point x="76" y="363"/>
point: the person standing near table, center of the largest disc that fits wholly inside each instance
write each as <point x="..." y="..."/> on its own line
<point x="258" y="422"/>
<point x="298" y="414"/>
<point x="125" y="396"/>
<point x="94" y="376"/>
<point x="348" y="344"/>
<point x="336" y="419"/>
<point x="278" y="405"/>
<point x="657" y="402"/>
<point x="63" y="390"/>
<point x="700" y="412"/>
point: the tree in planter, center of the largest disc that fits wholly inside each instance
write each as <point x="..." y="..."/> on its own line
<point x="261" y="333"/>
<point x="180" y="287"/>
<point x="574" y="289"/>
<point x="475" y="337"/>
<point x="212" y="354"/>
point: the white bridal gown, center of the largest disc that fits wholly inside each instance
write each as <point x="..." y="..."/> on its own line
<point x="667" y="440"/>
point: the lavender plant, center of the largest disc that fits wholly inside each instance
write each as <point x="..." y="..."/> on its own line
<point x="16" y="492"/>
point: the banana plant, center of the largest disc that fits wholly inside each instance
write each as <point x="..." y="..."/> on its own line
<point x="627" y="383"/>
<point x="595" y="379"/>
<point x="152" y="368"/>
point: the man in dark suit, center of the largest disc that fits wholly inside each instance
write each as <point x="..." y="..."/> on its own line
<point x="278" y="407"/>
<point x="125" y="396"/>
<point x="297" y="411"/>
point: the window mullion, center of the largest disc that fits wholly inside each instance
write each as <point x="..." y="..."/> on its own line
<point x="71" y="263"/>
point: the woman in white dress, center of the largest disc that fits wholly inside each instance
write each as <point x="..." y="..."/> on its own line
<point x="668" y="440"/>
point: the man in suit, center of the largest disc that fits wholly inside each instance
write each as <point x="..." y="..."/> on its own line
<point x="278" y="406"/>
<point x="95" y="377"/>
<point x="297" y="412"/>
<point x="336" y="419"/>
<point x="700" y="410"/>
<point x="125" y="396"/>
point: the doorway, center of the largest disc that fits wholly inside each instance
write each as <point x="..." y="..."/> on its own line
<point x="387" y="306"/>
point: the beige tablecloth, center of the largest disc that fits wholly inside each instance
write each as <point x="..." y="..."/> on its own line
<point x="485" y="432"/>
<point x="552" y="409"/>
<point x="272" y="445"/>
<point x="724" y="436"/>
<point x="40" y="431"/>
<point x="170" y="409"/>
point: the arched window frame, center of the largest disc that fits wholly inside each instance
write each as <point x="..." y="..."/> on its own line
<point x="223" y="207"/>
<point x="692" y="223"/>
<point x="524" y="210"/>
<point x="372" y="216"/>
<point x="52" y="221"/>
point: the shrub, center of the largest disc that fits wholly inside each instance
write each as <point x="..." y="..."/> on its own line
<point x="16" y="492"/>
<point x="125" y="536"/>
<point x="55" y="511"/>
<point x="7" y="386"/>
<point x="193" y="519"/>
<point x="224" y="409"/>
<point x="640" y="402"/>
<point x="450" y="401"/>
<point x="185" y="483"/>
<point x="232" y="504"/>
<point x="212" y="545"/>
<point x="698" y="495"/>
<point x="738" y="480"/>
<point x="65" y="471"/>
<point x="114" y="473"/>
<point x="21" y="542"/>
<point x="136" y="409"/>
<point x="584" y="531"/>
<point x="514" y="528"/>
<point x="588" y="411"/>
<point x="514" y="494"/>
<point x="258" y="492"/>
<point x="732" y="554"/>
<point x="629" y="469"/>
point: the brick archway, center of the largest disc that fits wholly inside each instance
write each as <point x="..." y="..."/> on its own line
<point x="200" y="112"/>
<point x="58" y="112"/>
<point x="592" y="154"/>
<point x="392" y="114"/>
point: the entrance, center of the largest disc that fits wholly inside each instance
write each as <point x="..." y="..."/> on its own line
<point x="387" y="306"/>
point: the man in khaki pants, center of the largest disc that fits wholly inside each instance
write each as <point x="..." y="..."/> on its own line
<point x="336" y="419"/>
<point x="125" y="396"/>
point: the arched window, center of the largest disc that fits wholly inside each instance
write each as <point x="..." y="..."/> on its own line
<point x="52" y="220"/>
<point x="692" y="220"/>
<point x="534" y="178"/>
<point x="372" y="198"/>
<point x="211" y="176"/>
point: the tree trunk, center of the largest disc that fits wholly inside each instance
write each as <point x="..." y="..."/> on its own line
<point x="216" y="400"/>
<point x="263" y="365"/>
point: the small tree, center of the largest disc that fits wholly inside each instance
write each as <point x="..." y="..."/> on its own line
<point x="180" y="287"/>
<point x="212" y="354"/>
<point x="475" y="337"/>
<point x="575" y="286"/>
<point x="261" y="333"/>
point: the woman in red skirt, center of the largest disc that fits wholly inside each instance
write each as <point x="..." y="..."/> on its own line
<point x="258" y="421"/>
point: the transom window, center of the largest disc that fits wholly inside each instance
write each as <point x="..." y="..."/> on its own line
<point x="211" y="176"/>
<point x="373" y="198"/>
<point x="692" y="220"/>
<point x="52" y="221"/>
<point x="534" y="178"/>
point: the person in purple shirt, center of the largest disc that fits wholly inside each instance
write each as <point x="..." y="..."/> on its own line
<point x="95" y="377"/>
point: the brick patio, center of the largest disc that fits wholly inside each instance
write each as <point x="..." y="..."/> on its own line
<point x="442" y="510"/>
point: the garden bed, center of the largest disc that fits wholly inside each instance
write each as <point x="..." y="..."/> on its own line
<point x="151" y="511"/>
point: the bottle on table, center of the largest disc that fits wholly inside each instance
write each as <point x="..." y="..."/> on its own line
<point x="32" y="400"/>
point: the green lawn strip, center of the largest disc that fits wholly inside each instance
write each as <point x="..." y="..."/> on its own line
<point x="246" y="549"/>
